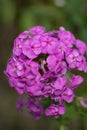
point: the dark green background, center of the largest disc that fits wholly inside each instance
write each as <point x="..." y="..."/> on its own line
<point x="17" y="16"/>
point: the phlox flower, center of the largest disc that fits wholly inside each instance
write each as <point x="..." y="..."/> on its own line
<point x="41" y="67"/>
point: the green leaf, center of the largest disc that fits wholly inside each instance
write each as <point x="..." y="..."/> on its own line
<point x="63" y="127"/>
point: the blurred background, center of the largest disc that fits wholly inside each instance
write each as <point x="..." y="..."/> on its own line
<point x="17" y="16"/>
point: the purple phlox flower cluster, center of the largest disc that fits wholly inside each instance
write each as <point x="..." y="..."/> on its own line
<point x="35" y="108"/>
<point x="20" y="103"/>
<point x="41" y="67"/>
<point x="83" y="102"/>
<point x="55" y="110"/>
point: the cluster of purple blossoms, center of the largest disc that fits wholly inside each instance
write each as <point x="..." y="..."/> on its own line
<point x="41" y="67"/>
